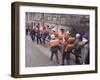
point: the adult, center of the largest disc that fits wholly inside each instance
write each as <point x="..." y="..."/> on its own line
<point x="77" y="47"/>
<point x="45" y="34"/>
<point x="85" y="49"/>
<point x="69" y="46"/>
<point x="54" y="43"/>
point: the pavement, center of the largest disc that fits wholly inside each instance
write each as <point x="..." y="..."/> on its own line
<point x="38" y="55"/>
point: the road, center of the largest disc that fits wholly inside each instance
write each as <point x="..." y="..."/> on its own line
<point x="37" y="55"/>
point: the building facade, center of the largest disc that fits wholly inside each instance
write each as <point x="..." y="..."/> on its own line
<point x="70" y="22"/>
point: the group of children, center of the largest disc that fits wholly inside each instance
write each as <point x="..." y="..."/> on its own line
<point x="60" y="41"/>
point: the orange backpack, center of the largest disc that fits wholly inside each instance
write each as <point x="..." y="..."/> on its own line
<point x="70" y="40"/>
<point x="69" y="48"/>
<point x="54" y="42"/>
<point x="61" y="36"/>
